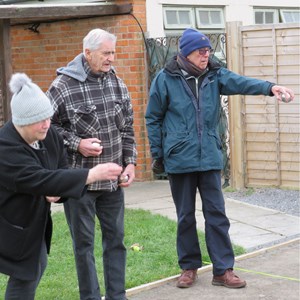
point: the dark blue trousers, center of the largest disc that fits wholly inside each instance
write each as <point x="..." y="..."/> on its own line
<point x="184" y="188"/>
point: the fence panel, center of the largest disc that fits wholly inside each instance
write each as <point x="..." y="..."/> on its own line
<point x="272" y="128"/>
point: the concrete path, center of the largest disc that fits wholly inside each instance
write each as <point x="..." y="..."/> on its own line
<point x="252" y="227"/>
<point x="271" y="274"/>
<point x="271" y="238"/>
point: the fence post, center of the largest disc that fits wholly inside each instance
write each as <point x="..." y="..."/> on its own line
<point x="235" y="108"/>
<point x="5" y="69"/>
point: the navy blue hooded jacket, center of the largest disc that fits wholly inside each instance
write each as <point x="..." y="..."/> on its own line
<point x="183" y="126"/>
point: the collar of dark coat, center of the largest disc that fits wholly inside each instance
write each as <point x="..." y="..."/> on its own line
<point x="173" y="67"/>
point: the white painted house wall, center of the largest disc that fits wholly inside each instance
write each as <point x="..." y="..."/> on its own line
<point x="234" y="10"/>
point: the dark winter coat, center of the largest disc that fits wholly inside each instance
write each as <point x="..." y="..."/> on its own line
<point x="183" y="128"/>
<point x="27" y="175"/>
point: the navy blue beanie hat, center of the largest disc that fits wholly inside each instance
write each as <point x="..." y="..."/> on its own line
<point x="192" y="40"/>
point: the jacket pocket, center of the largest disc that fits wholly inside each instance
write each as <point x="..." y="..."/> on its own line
<point x="175" y="142"/>
<point x="119" y="115"/>
<point x="86" y="120"/>
<point x="12" y="240"/>
<point x="215" y="136"/>
<point x="181" y="152"/>
<point x="212" y="151"/>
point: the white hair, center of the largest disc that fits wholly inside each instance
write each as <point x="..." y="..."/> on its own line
<point x="96" y="37"/>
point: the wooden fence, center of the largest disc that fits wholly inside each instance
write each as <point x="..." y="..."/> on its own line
<point x="264" y="132"/>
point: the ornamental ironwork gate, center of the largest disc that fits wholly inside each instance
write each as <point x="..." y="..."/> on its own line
<point x="161" y="49"/>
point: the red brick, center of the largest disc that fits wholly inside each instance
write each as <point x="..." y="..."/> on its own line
<point x="39" y="55"/>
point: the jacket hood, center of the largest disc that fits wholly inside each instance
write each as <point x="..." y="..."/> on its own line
<point x="76" y="69"/>
<point x="172" y="66"/>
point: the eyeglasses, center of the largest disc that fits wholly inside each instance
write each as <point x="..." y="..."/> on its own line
<point x="204" y="50"/>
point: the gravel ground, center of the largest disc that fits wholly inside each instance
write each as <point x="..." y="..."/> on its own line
<point x="286" y="201"/>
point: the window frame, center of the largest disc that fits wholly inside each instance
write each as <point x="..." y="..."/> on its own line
<point x="265" y="10"/>
<point x="211" y="25"/>
<point x="282" y="16"/>
<point x="177" y="9"/>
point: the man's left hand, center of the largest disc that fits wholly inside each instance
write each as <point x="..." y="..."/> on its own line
<point x="282" y="93"/>
<point x="130" y="172"/>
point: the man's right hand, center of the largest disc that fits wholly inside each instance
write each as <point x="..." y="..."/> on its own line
<point x="107" y="171"/>
<point x="90" y="147"/>
<point x="158" y="166"/>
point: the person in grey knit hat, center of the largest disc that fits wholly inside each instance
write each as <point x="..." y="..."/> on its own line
<point x="29" y="104"/>
<point x="182" y="119"/>
<point x="33" y="174"/>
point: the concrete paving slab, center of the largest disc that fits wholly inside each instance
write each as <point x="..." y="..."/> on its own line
<point x="252" y="227"/>
<point x="239" y="210"/>
<point x="154" y="205"/>
<point x="55" y="207"/>
<point x="169" y="213"/>
<point x="141" y="191"/>
<point x="277" y="222"/>
<point x="271" y="274"/>
<point x="250" y="237"/>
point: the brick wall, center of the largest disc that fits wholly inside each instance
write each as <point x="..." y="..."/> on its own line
<point x="40" y="54"/>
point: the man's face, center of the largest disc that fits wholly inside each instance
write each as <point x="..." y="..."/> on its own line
<point x="200" y="57"/>
<point x="100" y="60"/>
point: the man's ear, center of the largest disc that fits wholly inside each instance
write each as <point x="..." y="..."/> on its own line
<point x="87" y="53"/>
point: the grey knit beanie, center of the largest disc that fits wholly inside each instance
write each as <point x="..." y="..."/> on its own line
<point x="29" y="104"/>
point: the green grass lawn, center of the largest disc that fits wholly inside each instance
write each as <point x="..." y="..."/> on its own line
<point x="158" y="259"/>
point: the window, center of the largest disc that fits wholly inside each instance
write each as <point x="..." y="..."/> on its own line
<point x="271" y="16"/>
<point x="290" y="16"/>
<point x="265" y="16"/>
<point x="177" y="18"/>
<point x="201" y="18"/>
<point x="209" y="18"/>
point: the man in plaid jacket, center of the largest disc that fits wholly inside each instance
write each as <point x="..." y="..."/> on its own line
<point x="93" y="113"/>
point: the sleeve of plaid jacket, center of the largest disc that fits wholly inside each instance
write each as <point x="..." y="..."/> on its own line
<point x="60" y="119"/>
<point x="127" y="130"/>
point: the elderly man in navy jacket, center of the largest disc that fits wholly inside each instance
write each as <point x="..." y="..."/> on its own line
<point x="182" y="122"/>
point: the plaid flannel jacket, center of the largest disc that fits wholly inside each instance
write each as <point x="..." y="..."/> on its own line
<point x="97" y="107"/>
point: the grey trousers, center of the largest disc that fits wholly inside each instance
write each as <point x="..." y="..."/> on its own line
<point x="80" y="214"/>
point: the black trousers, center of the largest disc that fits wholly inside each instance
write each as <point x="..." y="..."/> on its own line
<point x="25" y="289"/>
<point x="184" y="188"/>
